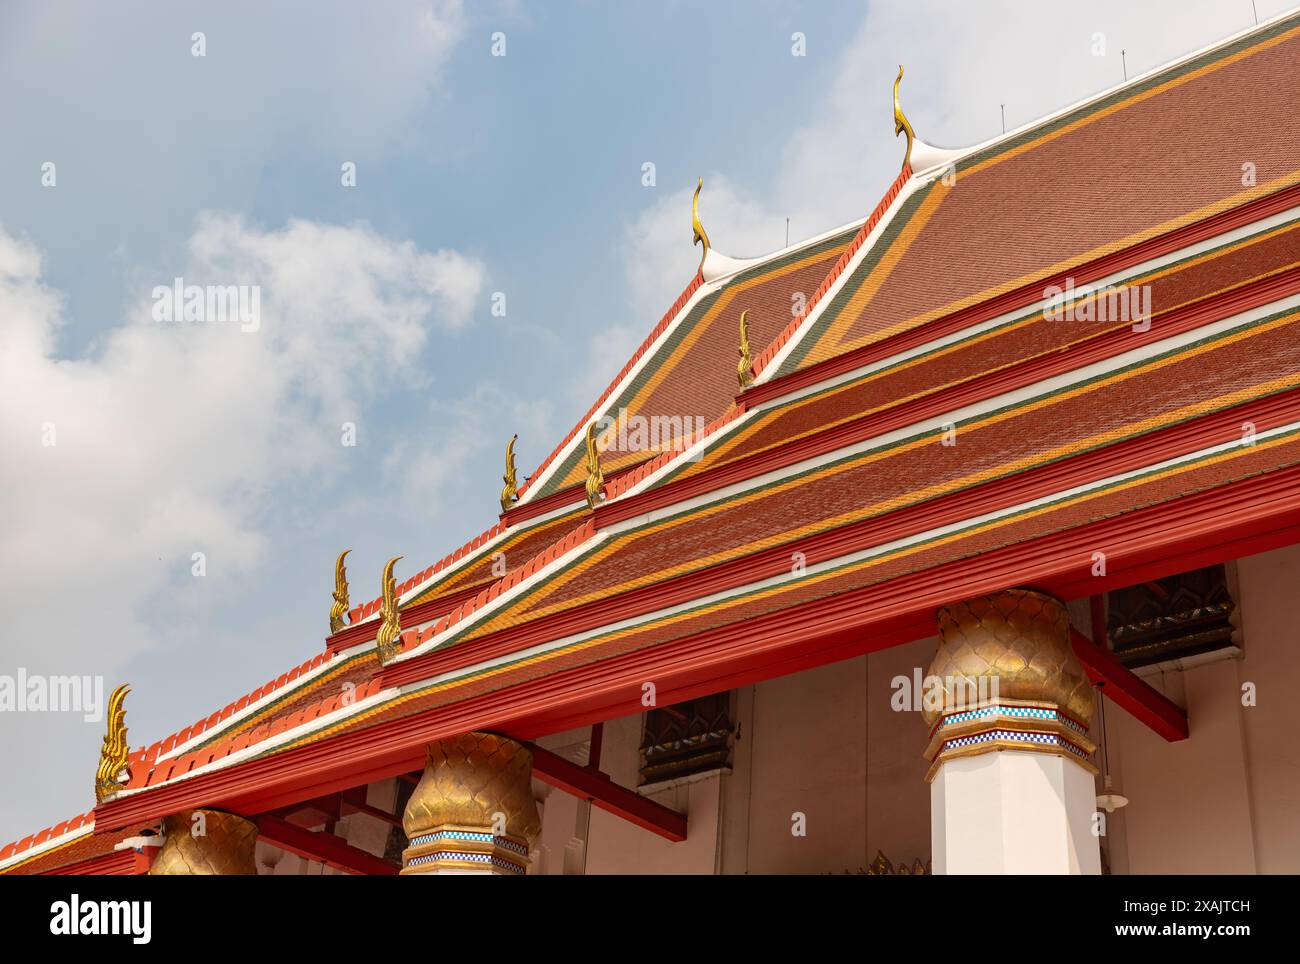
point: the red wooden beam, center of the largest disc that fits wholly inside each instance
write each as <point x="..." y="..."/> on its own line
<point x="590" y="784"/>
<point x="323" y="847"/>
<point x="1129" y="691"/>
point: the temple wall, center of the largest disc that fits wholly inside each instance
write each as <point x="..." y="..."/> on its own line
<point x="1227" y="800"/>
<point x="615" y="846"/>
<point x="1269" y="615"/>
<point x="802" y="760"/>
<point x="1189" y="809"/>
<point x="801" y="748"/>
<point x="808" y="736"/>
<point x="898" y="798"/>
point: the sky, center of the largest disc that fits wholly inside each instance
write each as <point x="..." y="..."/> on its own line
<point x="499" y="150"/>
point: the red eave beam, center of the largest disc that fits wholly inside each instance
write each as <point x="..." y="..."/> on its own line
<point x="1129" y="691"/>
<point x="323" y="847"/>
<point x="590" y="784"/>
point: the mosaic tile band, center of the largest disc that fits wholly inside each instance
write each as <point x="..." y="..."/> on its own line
<point x="1025" y="712"/>
<point x="493" y="860"/>
<point x="506" y="843"/>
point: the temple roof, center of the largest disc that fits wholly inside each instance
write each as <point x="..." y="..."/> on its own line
<point x="66" y="846"/>
<point x="683" y="372"/>
<point x="904" y="381"/>
<point x="1101" y="405"/>
<point x="1164" y="150"/>
<point x="688" y="368"/>
<point x="819" y="483"/>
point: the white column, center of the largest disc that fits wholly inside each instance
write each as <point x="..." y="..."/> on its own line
<point x="1013" y="813"/>
<point x="1012" y="790"/>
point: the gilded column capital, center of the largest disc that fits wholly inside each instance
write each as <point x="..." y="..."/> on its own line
<point x="473" y="809"/>
<point x="204" y="843"/>
<point x="1009" y="678"/>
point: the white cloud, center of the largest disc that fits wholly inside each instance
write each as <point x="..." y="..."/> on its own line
<point x="172" y="440"/>
<point x="341" y="304"/>
<point x="657" y="246"/>
<point x="421" y="471"/>
<point x="169" y="439"/>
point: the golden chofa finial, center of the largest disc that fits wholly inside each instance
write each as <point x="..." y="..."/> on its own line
<point x="701" y="236"/>
<point x="595" y="478"/>
<point x="390" y="629"/>
<point x="511" y="490"/>
<point x="901" y="125"/>
<point x="745" y="370"/>
<point x="113" y="755"/>
<point x="340" y="607"/>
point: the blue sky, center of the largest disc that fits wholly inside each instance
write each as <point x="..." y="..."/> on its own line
<point x="475" y="174"/>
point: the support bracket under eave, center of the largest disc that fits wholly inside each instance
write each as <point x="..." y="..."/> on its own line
<point x="1129" y="691"/>
<point x="590" y="784"/>
<point x="325" y="848"/>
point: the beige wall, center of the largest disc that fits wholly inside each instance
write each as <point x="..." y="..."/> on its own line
<point x="801" y="747"/>
<point x="1227" y="800"/>
<point x="807" y="737"/>
<point x="1271" y="589"/>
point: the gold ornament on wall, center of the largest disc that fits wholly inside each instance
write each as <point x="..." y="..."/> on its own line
<point x="881" y="867"/>
<point x="901" y="125"/>
<point x="340" y="607"/>
<point x="511" y="490"/>
<point x="744" y="370"/>
<point x="700" y="235"/>
<point x="390" y="628"/>
<point x="113" y="755"/>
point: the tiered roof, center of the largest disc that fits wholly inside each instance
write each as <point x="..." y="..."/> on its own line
<point x="924" y="427"/>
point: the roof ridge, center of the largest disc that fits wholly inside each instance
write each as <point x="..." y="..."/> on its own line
<point x="573" y="538"/>
<point x="150" y="754"/>
<point x="695" y="283"/>
<point x="364" y="611"/>
<point x="144" y="776"/>
<point x="24" y="844"/>
<point x="646" y="469"/>
<point x="147" y="771"/>
<point x="955" y="154"/>
<point x="841" y="264"/>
